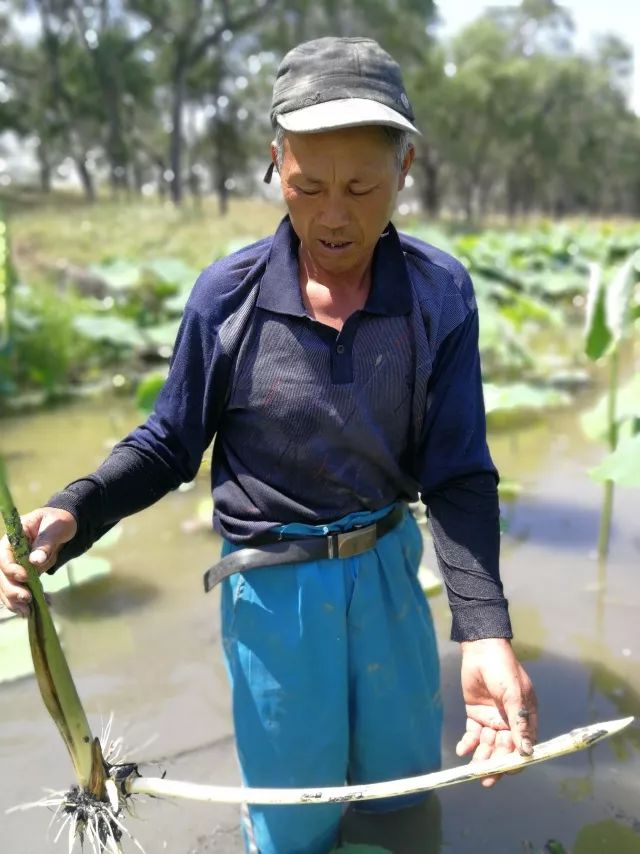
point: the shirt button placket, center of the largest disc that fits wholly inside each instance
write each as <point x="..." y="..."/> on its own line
<point x="341" y="367"/>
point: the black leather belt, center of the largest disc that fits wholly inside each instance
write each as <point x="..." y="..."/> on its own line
<point x="301" y="549"/>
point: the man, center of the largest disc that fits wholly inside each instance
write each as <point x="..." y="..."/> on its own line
<point x="337" y="365"/>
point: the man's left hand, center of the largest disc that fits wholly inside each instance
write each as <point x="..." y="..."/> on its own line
<point x="502" y="710"/>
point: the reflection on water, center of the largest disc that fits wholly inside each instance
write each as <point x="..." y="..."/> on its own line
<point x="143" y="643"/>
<point x="555" y="524"/>
<point x="104" y="598"/>
<point x="609" y="835"/>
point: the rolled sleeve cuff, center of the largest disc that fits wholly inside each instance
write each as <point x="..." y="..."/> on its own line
<point x="77" y="499"/>
<point x="479" y="620"/>
<point x="68" y="501"/>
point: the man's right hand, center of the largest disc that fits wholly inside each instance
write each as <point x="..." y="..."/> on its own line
<point x="47" y="530"/>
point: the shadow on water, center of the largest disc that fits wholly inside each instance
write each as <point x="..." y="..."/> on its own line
<point x="558" y="524"/>
<point x="104" y="598"/>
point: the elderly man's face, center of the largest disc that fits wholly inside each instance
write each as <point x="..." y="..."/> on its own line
<point x="340" y="188"/>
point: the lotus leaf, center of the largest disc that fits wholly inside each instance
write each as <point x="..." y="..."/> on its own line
<point x="621" y="466"/>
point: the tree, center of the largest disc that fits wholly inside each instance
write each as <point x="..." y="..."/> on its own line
<point x="515" y="120"/>
<point x="188" y="31"/>
<point x="74" y="105"/>
<point x="121" y="76"/>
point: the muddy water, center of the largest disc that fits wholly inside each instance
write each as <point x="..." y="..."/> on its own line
<point x="144" y="644"/>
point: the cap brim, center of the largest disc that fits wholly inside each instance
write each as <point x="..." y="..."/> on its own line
<point x="343" y="113"/>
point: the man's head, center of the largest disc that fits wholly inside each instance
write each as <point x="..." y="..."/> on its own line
<point x="343" y="127"/>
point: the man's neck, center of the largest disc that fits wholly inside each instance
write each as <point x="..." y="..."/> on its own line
<point x="331" y="298"/>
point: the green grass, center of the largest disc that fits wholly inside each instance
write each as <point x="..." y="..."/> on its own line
<point x="48" y="233"/>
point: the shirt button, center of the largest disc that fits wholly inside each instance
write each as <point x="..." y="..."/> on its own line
<point x="340" y="349"/>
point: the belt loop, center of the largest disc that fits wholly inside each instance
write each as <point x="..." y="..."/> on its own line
<point x="333" y="545"/>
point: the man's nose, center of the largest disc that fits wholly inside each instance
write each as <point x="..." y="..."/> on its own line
<point x="335" y="212"/>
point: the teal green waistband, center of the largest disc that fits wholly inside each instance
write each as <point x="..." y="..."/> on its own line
<point x="346" y="523"/>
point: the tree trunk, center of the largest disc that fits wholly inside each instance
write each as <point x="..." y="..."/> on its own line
<point x="137" y="175"/>
<point x="85" y="177"/>
<point x="161" y="181"/>
<point x="175" y="156"/>
<point x="116" y="146"/>
<point x="484" y="198"/>
<point x="193" y="180"/>
<point x="512" y="195"/>
<point x="469" y="191"/>
<point x="223" y="199"/>
<point x="431" y="191"/>
<point x="635" y="199"/>
<point x="220" y="170"/>
<point x="44" y="166"/>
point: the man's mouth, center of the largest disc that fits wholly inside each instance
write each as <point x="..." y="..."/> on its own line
<point x="335" y="245"/>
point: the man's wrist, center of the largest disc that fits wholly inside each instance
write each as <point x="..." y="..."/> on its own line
<point x="481" y="643"/>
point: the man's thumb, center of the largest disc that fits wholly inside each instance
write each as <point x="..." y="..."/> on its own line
<point x="45" y="547"/>
<point x="519" y="715"/>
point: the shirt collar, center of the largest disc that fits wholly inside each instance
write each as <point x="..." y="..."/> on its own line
<point x="390" y="292"/>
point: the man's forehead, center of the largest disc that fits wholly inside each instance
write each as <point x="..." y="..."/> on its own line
<point x="324" y="162"/>
<point x="363" y="145"/>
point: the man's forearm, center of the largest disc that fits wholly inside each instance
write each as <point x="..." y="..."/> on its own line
<point x="129" y="480"/>
<point x="464" y="518"/>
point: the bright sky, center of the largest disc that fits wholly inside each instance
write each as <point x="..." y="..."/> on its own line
<point x="591" y="17"/>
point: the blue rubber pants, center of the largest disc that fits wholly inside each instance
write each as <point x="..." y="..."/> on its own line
<point x="334" y="677"/>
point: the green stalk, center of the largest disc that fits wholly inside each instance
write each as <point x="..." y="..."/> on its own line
<point x="7" y="283"/>
<point x="612" y="436"/>
<point x="52" y="671"/>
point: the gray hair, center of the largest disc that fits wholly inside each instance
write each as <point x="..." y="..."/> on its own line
<point x="399" y="139"/>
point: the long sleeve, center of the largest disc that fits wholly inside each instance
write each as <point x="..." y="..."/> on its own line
<point x="459" y="487"/>
<point x="163" y="452"/>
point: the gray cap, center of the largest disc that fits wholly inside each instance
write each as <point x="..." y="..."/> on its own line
<point x="332" y="83"/>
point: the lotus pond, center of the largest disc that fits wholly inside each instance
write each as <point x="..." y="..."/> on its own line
<point x="142" y="639"/>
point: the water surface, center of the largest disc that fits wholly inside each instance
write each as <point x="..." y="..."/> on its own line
<point x="143" y="643"/>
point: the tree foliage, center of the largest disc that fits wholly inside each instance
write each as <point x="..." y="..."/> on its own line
<point x="175" y="94"/>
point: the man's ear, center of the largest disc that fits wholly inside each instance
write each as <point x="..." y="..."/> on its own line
<point x="406" y="165"/>
<point x="273" y="165"/>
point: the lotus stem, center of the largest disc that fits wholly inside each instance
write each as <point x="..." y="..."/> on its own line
<point x="612" y="438"/>
<point x="7" y="283"/>
<point x="52" y="671"/>
<point x="577" y="739"/>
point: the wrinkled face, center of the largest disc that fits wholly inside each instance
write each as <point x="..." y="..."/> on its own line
<point x="340" y="188"/>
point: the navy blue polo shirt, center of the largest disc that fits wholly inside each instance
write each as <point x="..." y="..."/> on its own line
<point x="311" y="424"/>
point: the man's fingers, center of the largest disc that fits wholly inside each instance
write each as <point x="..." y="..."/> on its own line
<point x="488" y="736"/>
<point x="467" y="743"/>
<point x="470" y="739"/>
<point x="15" y="573"/>
<point x="488" y="782"/>
<point x="504" y="745"/>
<point x="13" y="593"/>
<point x="492" y="748"/>
<point x="47" y="529"/>
<point x="15" y="597"/>
<point x="482" y="751"/>
<point x="522" y="714"/>
<point x="486" y="716"/>
<point x="504" y="742"/>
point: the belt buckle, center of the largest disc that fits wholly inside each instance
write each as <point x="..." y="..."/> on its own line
<point x="352" y="543"/>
